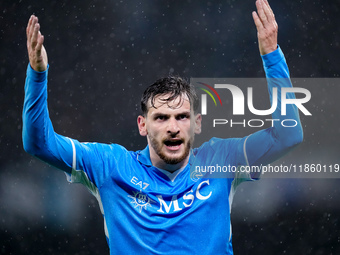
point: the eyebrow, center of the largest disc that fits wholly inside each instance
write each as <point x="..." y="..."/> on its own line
<point x="188" y="113"/>
<point x="184" y="113"/>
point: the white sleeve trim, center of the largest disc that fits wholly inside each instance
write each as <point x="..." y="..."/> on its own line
<point x="74" y="163"/>
<point x="74" y="158"/>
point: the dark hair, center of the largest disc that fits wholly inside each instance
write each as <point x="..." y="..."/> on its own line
<point x="173" y="86"/>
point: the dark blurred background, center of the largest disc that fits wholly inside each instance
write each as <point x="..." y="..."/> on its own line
<point x="102" y="54"/>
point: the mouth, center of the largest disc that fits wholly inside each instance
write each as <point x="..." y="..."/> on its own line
<point x="173" y="144"/>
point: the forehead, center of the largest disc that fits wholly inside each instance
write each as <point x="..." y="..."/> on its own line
<point x="161" y="104"/>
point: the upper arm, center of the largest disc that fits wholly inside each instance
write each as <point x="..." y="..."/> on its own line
<point x="268" y="145"/>
<point x="54" y="149"/>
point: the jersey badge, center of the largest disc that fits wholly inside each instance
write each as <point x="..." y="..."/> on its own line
<point x="140" y="200"/>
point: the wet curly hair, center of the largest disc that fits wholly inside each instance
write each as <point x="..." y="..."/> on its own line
<point x="174" y="87"/>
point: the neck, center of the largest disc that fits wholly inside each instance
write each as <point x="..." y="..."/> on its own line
<point x="159" y="163"/>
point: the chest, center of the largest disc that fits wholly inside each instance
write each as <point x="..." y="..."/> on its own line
<point x="147" y="195"/>
<point x="143" y="209"/>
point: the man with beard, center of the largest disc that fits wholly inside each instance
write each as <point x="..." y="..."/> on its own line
<point x="149" y="202"/>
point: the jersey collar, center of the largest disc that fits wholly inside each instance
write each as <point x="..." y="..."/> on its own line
<point x="143" y="156"/>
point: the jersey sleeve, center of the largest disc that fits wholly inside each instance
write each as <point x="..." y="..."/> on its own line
<point x="266" y="146"/>
<point x="82" y="162"/>
<point x="39" y="138"/>
<point x="93" y="163"/>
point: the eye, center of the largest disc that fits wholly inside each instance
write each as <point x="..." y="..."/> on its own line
<point x="160" y="117"/>
<point x="182" y="116"/>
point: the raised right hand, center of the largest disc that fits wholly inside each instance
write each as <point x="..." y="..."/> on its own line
<point x="36" y="50"/>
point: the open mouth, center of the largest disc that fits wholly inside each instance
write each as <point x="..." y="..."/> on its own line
<point x="173" y="143"/>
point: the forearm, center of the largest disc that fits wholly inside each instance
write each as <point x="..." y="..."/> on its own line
<point x="270" y="144"/>
<point x="39" y="138"/>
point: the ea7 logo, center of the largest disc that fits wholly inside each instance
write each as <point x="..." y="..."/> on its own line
<point x="287" y="97"/>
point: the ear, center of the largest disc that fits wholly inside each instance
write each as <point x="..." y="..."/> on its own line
<point x="198" y="124"/>
<point x="142" y="125"/>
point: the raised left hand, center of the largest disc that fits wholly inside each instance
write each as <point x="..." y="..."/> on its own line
<point x="266" y="26"/>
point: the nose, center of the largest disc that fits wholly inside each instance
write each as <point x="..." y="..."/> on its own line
<point x="173" y="127"/>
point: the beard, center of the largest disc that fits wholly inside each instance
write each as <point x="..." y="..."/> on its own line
<point x="171" y="160"/>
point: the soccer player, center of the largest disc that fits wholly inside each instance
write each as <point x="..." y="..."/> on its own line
<point x="149" y="201"/>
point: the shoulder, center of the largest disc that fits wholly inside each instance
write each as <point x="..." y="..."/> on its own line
<point x="218" y="144"/>
<point x="220" y="150"/>
<point x="103" y="150"/>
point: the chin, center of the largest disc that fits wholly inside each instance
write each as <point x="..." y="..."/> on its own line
<point x="174" y="158"/>
<point x="170" y="157"/>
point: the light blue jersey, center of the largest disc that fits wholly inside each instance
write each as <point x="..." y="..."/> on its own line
<point x="145" y="211"/>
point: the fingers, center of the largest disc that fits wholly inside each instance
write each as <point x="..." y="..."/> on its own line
<point x="35" y="34"/>
<point x="40" y="42"/>
<point x="272" y="19"/>
<point x="265" y="13"/>
<point x="261" y="11"/>
<point x="257" y="21"/>
<point x="270" y="11"/>
<point x="34" y="38"/>
<point x="270" y="14"/>
<point x="30" y="27"/>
